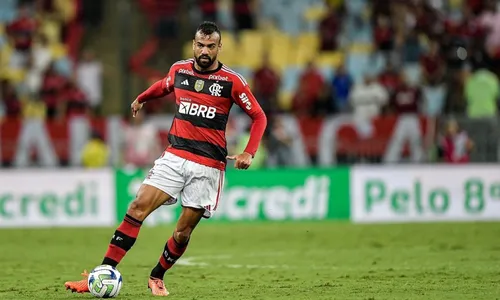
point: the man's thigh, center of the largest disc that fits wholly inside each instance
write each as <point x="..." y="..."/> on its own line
<point x="167" y="175"/>
<point x="203" y="188"/>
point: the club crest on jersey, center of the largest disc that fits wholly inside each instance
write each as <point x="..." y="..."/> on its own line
<point x="198" y="85"/>
<point x="215" y="89"/>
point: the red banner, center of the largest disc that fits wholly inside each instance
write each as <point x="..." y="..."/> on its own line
<point x="349" y="137"/>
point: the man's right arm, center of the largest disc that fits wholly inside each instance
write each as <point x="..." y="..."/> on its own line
<point x="159" y="89"/>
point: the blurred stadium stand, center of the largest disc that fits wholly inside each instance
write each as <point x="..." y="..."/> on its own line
<point x="136" y="41"/>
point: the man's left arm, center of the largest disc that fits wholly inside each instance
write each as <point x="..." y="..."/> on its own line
<point x="244" y="97"/>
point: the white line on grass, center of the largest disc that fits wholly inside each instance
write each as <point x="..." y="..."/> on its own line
<point x="194" y="261"/>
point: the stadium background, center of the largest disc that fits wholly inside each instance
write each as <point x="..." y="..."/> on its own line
<point x="379" y="111"/>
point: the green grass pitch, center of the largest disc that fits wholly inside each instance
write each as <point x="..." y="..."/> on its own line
<point x="308" y="260"/>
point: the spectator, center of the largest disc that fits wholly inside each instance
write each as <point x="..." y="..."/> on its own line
<point x="10" y="100"/>
<point x="266" y="83"/>
<point x="280" y="141"/>
<point x="243" y="14"/>
<point x="22" y="30"/>
<point x="74" y="100"/>
<point x="208" y="10"/>
<point x="384" y="38"/>
<point x="368" y="98"/>
<point x="454" y="146"/>
<point x="341" y="86"/>
<point x="406" y="104"/>
<point x="329" y="29"/>
<point x="307" y="98"/>
<point x="390" y="78"/>
<point x="89" y="78"/>
<point x="95" y="153"/>
<point x="52" y="85"/>
<point x="38" y="62"/>
<point x="482" y="92"/>
<point x="142" y="144"/>
<point x="407" y="99"/>
<point x="41" y="53"/>
<point x="164" y="15"/>
<point x="411" y="49"/>
<point x="433" y="66"/>
<point x="490" y="22"/>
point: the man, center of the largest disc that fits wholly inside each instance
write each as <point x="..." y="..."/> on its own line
<point x="406" y="103"/>
<point x="194" y="163"/>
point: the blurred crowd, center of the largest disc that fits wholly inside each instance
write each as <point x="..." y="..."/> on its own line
<point x="307" y="58"/>
<point x="39" y="76"/>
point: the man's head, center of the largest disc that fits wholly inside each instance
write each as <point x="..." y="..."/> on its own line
<point x="206" y="44"/>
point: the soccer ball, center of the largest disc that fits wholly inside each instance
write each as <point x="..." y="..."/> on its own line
<point x="105" y="282"/>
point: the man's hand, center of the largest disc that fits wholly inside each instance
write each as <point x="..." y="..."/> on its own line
<point x="242" y="161"/>
<point x="135" y="106"/>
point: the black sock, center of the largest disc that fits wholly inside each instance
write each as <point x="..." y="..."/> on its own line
<point x="158" y="271"/>
<point x="123" y="239"/>
<point x="171" y="253"/>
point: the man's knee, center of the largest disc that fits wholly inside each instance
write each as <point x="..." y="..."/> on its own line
<point x="181" y="235"/>
<point x="138" y="209"/>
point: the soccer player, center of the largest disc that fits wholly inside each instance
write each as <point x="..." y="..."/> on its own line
<point x="193" y="165"/>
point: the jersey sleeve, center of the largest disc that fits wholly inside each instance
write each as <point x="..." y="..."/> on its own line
<point x="168" y="81"/>
<point x="160" y="88"/>
<point x="244" y="98"/>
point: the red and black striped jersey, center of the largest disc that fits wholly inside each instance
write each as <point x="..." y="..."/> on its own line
<point x="203" y="103"/>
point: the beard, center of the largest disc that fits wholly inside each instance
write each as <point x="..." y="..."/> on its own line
<point x="204" y="63"/>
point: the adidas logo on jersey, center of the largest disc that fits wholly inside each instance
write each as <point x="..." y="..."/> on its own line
<point x="185" y="82"/>
<point x="198" y="110"/>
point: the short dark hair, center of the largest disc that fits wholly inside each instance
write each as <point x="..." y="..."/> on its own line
<point x="207" y="28"/>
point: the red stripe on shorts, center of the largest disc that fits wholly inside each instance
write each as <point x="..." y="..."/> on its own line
<point x="218" y="190"/>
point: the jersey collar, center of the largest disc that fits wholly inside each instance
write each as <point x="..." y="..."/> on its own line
<point x="207" y="72"/>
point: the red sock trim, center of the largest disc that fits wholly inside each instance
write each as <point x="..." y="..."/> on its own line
<point x="164" y="264"/>
<point x="174" y="249"/>
<point x="132" y="221"/>
<point x="130" y="229"/>
<point x="115" y="253"/>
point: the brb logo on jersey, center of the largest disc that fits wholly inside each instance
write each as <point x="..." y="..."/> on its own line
<point x="215" y="89"/>
<point x="199" y="110"/>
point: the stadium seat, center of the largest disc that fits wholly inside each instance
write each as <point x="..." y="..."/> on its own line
<point x="358" y="64"/>
<point x="229" y="53"/>
<point x="187" y="50"/>
<point x="63" y="66"/>
<point x="58" y="50"/>
<point x="16" y="76"/>
<point x="279" y="50"/>
<point x="306" y="45"/>
<point x="331" y="59"/>
<point x="285" y="100"/>
<point x="8" y="10"/>
<point x="290" y="78"/>
<point x="327" y="72"/>
<point x="363" y="48"/>
<point x="3" y="38"/>
<point x="252" y="47"/>
<point x="51" y="30"/>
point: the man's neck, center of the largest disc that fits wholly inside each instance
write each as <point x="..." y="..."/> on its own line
<point x="214" y="66"/>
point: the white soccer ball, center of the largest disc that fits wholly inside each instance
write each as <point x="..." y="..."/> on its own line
<point x="105" y="282"/>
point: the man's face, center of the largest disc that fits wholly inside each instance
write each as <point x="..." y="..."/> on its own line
<point x="206" y="48"/>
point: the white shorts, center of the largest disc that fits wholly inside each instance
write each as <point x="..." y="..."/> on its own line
<point x="197" y="185"/>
